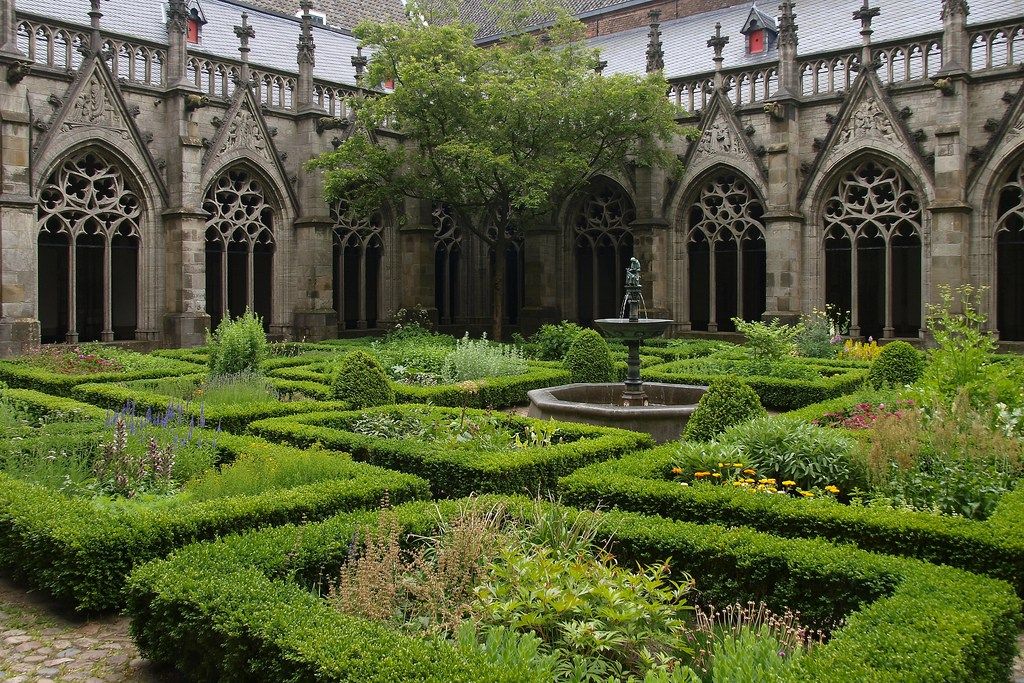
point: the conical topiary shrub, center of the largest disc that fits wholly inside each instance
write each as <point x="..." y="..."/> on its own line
<point x="897" y="365"/>
<point x="727" y="402"/>
<point x="361" y="382"/>
<point x="588" y="359"/>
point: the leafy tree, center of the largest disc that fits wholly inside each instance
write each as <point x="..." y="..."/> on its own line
<point x="499" y="135"/>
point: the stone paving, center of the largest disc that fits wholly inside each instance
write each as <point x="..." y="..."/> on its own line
<point x="39" y="643"/>
<point x="42" y="643"/>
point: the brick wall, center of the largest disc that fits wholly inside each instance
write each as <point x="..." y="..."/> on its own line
<point x="636" y="16"/>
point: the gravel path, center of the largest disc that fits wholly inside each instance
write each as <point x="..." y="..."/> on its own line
<point x="40" y="642"/>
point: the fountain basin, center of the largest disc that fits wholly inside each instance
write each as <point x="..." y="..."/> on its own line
<point x="632" y="330"/>
<point x="601" y="404"/>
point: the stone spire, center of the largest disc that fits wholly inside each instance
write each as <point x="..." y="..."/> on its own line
<point x="177" y="53"/>
<point x="955" y="40"/>
<point x="244" y="33"/>
<point x="655" y="55"/>
<point x="789" y="74"/>
<point x="95" y="38"/>
<point x="864" y="15"/>
<point x="306" y="58"/>
<point x="718" y="42"/>
<point x="359" y="61"/>
<point x="9" y="31"/>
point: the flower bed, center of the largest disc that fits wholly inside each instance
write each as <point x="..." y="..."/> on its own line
<point x="239" y="607"/>
<point x="47" y="371"/>
<point x="835" y="378"/>
<point x="644" y="482"/>
<point x="80" y="550"/>
<point x="460" y="464"/>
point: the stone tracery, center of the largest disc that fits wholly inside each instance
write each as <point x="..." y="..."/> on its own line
<point x="1009" y="234"/>
<point x="872" y="236"/>
<point x="726" y="253"/>
<point x="86" y="209"/>
<point x="603" y="247"/>
<point x="358" y="245"/>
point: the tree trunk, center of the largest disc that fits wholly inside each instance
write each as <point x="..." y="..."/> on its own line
<point x="498" y="282"/>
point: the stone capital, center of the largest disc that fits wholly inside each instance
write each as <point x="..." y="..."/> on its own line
<point x="17" y="201"/>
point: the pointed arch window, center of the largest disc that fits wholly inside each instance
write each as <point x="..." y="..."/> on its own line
<point x="89" y="219"/>
<point x="603" y="246"/>
<point x="1010" y="256"/>
<point x="726" y="255"/>
<point x="358" y="249"/>
<point x="239" y="247"/>
<point x="447" y="254"/>
<point x="872" y="244"/>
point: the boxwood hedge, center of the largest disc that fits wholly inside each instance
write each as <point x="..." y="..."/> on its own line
<point x="776" y="393"/>
<point x="640" y="483"/>
<point x="81" y="553"/>
<point x="237" y="609"/>
<point x="457" y="471"/>
<point x="25" y="376"/>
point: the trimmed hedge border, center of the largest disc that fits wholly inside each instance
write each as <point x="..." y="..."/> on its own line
<point x="22" y="376"/>
<point x="490" y="392"/>
<point x="775" y="393"/>
<point x="233" y="418"/>
<point x="235" y="609"/>
<point x="452" y="471"/>
<point x="81" y="554"/>
<point x="637" y="483"/>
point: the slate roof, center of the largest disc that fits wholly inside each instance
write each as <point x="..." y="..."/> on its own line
<point x="823" y="25"/>
<point x="341" y="13"/>
<point x="274" y="45"/>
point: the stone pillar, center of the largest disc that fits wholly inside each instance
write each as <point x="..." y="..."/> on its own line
<point x="948" y="260"/>
<point x="417" y="259"/>
<point x="19" y="319"/>
<point x="785" y="297"/>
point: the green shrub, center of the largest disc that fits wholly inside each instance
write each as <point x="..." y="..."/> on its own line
<point x="228" y="610"/>
<point x="768" y="343"/>
<point x="898" y="364"/>
<point x="362" y="382"/>
<point x="238" y="345"/>
<point x="727" y="402"/>
<point x="588" y="359"/>
<point x="813" y="457"/>
<point x="552" y="342"/>
<point x="478" y="358"/>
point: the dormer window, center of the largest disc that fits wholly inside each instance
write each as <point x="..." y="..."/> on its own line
<point x="760" y="31"/>
<point x="315" y="17"/>
<point x="194" y="22"/>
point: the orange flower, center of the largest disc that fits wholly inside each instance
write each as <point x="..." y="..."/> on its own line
<point x="677" y="470"/>
<point x="701" y="474"/>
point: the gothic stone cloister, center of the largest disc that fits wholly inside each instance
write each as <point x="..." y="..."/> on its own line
<point x="153" y="173"/>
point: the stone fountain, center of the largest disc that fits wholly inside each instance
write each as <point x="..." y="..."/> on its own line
<point x="661" y="410"/>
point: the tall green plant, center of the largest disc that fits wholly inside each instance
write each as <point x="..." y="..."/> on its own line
<point x="769" y="343"/>
<point x="237" y="346"/>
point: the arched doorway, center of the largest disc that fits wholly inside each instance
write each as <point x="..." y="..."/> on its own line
<point x="358" y="247"/>
<point x="872" y="246"/>
<point x="603" y="245"/>
<point x="89" y="220"/>
<point x="726" y="257"/>
<point x="1009" y="233"/>
<point x="239" y="247"/>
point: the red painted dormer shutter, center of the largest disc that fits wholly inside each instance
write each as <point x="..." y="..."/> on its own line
<point x="755" y="41"/>
<point x="192" y="30"/>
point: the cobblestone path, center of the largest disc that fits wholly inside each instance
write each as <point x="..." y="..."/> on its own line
<point x="40" y="642"/>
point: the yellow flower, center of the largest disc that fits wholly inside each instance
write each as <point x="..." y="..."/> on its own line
<point x="789" y="482"/>
<point x="716" y="474"/>
<point x="749" y="471"/>
<point x="832" y="489"/>
<point x="701" y="474"/>
<point x="749" y="481"/>
<point x="737" y="483"/>
<point x="807" y="494"/>
<point x="737" y="464"/>
<point x="677" y="470"/>
<point x="721" y="464"/>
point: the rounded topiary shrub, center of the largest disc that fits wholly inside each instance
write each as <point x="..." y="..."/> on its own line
<point x="727" y="402"/>
<point x="898" y="364"/>
<point x="588" y="359"/>
<point x="361" y="382"/>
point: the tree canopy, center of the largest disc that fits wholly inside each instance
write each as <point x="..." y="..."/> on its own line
<point x="498" y="134"/>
